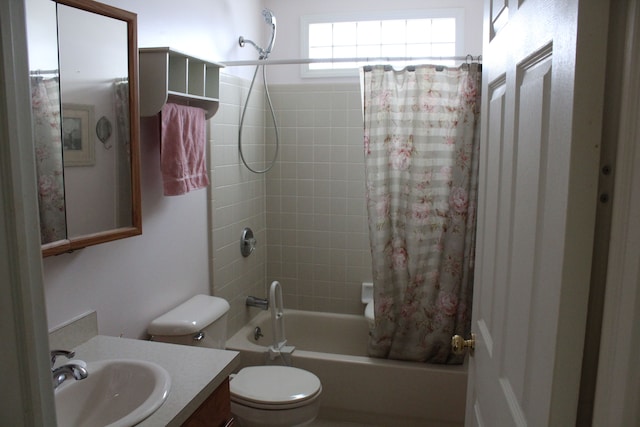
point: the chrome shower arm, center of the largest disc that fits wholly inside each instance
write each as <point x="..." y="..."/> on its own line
<point x="242" y="41"/>
<point x="270" y="19"/>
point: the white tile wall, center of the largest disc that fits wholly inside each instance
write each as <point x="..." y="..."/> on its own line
<point x="317" y="225"/>
<point x="308" y="212"/>
<point x="237" y="199"/>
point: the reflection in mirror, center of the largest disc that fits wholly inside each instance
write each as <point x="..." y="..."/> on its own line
<point x="94" y="84"/>
<point x="45" y="103"/>
<point x="96" y="142"/>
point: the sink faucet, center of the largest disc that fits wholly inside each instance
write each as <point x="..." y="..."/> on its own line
<point x="75" y="370"/>
<point x="65" y="372"/>
<point x="55" y="353"/>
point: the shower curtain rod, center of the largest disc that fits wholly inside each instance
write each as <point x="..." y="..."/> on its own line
<point x="43" y="72"/>
<point x="467" y="58"/>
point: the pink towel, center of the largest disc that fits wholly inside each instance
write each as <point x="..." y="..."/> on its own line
<point x="182" y="149"/>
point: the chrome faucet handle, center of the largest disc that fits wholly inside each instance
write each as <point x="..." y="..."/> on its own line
<point x="77" y="371"/>
<point x="55" y="353"/>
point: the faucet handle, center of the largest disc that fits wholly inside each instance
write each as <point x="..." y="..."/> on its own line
<point x="55" y="353"/>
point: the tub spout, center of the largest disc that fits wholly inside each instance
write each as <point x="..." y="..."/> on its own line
<point x="261" y="303"/>
<point x="257" y="333"/>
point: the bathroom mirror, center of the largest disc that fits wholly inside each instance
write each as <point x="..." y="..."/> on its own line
<point x="98" y="76"/>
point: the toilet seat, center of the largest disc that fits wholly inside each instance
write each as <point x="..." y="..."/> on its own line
<point x="274" y="387"/>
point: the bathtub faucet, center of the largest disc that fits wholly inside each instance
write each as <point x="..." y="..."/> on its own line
<point x="261" y="303"/>
<point x="257" y="333"/>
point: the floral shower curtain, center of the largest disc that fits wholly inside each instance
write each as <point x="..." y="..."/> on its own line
<point x="121" y="100"/>
<point x="45" y="105"/>
<point x="421" y="156"/>
<point x="123" y="151"/>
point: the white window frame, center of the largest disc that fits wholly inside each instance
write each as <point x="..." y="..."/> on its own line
<point x="305" y="21"/>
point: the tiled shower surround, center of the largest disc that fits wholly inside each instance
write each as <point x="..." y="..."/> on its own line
<point x="308" y="212"/>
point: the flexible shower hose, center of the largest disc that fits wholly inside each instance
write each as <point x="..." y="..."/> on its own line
<point x="273" y="117"/>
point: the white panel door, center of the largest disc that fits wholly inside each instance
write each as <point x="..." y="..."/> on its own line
<point x="541" y="116"/>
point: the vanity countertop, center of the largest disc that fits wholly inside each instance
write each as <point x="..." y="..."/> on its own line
<point x="195" y="372"/>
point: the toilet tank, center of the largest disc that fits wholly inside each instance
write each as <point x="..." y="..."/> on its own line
<point x="199" y="321"/>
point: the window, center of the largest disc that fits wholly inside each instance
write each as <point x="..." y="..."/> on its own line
<point x="417" y="34"/>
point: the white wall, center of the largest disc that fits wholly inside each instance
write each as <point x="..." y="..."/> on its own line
<point x="41" y="34"/>
<point x="288" y="13"/>
<point x="204" y="28"/>
<point x="129" y="282"/>
<point x="238" y="199"/>
<point x="318" y="234"/>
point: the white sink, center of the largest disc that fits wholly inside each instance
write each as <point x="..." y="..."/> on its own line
<point x="117" y="393"/>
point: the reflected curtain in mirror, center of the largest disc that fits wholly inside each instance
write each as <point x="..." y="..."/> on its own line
<point x="123" y="137"/>
<point x="45" y="104"/>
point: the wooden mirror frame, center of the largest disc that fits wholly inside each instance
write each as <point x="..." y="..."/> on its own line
<point x="79" y="242"/>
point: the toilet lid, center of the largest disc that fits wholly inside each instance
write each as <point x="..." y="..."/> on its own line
<point x="274" y="385"/>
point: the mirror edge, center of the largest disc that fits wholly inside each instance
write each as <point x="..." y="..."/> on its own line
<point x="69" y="245"/>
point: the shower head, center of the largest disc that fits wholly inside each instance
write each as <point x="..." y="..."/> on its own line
<point x="270" y="19"/>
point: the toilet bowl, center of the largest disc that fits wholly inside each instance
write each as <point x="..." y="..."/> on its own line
<point x="261" y="396"/>
<point x="275" y="396"/>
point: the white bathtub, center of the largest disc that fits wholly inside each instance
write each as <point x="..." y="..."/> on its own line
<point x="358" y="388"/>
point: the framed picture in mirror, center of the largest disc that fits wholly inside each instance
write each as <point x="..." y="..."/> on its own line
<point x="77" y="139"/>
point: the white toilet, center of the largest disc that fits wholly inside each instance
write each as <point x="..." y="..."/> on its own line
<point x="261" y="396"/>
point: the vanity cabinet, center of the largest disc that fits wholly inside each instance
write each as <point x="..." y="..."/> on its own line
<point x="215" y="411"/>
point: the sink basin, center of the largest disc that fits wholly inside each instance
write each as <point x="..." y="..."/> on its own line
<point x="117" y="393"/>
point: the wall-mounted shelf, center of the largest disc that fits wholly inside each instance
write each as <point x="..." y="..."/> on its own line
<point x="167" y="75"/>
